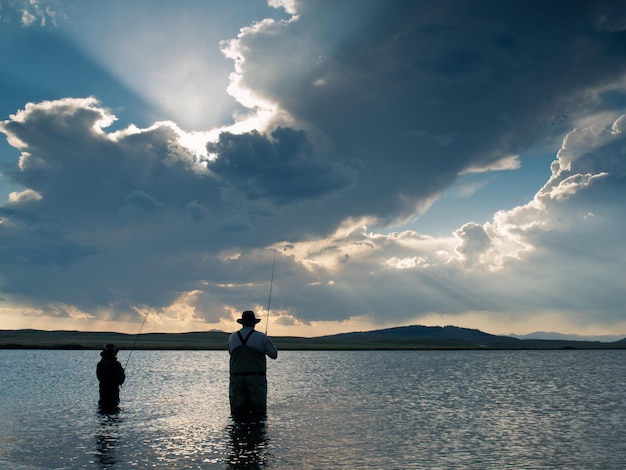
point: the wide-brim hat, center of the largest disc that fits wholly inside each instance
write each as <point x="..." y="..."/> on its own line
<point x="248" y="318"/>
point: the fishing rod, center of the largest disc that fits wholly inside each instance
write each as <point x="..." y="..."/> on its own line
<point x="269" y="302"/>
<point x="136" y="338"/>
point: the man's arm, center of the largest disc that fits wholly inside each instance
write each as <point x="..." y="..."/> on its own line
<point x="270" y="349"/>
<point x="233" y="342"/>
<point x="121" y="375"/>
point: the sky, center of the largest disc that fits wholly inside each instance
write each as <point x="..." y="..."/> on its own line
<point x="348" y="166"/>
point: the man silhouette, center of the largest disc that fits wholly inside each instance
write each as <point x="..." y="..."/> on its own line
<point x="248" y="385"/>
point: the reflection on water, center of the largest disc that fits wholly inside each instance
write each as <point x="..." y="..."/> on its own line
<point x="248" y="445"/>
<point x="376" y="409"/>
<point x="108" y="435"/>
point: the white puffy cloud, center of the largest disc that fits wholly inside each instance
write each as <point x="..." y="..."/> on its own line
<point x="29" y="13"/>
<point x="25" y="196"/>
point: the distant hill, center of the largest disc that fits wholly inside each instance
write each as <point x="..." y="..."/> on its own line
<point x="67" y="339"/>
<point x="569" y="337"/>
<point x="419" y="331"/>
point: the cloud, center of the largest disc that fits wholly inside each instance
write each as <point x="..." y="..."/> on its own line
<point x="279" y="167"/>
<point x="29" y="13"/>
<point x="76" y="167"/>
<point x="357" y="115"/>
<point x="550" y="254"/>
<point x="474" y="241"/>
<point x="507" y="163"/>
<point x="23" y="197"/>
<point x="414" y="95"/>
<point x="94" y="197"/>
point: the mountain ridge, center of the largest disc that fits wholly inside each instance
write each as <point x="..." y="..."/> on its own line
<point x="552" y="335"/>
<point x="439" y="332"/>
<point x="413" y="337"/>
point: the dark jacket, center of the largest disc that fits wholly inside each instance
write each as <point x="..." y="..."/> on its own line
<point x="110" y="375"/>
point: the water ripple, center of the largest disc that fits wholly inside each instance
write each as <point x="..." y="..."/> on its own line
<point x="392" y="410"/>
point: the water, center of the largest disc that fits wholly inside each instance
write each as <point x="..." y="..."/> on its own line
<point x="326" y="410"/>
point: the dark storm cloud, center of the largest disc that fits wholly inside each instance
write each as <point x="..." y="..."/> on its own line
<point x="280" y="167"/>
<point x="497" y="79"/>
<point x="30" y="240"/>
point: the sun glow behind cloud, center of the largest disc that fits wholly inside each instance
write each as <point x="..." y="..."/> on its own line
<point x="188" y="76"/>
<point x="185" y="75"/>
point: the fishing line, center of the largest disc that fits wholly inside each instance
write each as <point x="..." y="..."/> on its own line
<point x="136" y="338"/>
<point x="269" y="302"/>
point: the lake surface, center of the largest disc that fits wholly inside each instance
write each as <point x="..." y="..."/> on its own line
<point x="326" y="410"/>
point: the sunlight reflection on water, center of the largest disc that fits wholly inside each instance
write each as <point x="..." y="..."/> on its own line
<point x="392" y="410"/>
